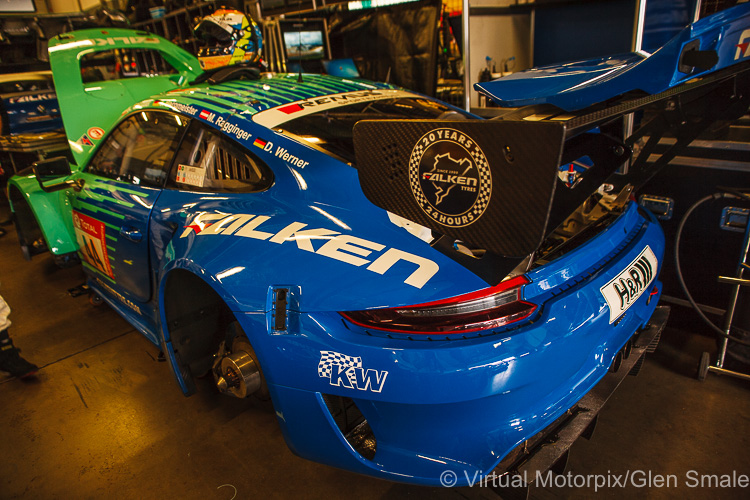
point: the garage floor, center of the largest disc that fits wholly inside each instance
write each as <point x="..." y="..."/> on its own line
<point x="104" y="418"/>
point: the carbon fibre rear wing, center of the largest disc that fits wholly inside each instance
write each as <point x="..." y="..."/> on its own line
<point x="494" y="183"/>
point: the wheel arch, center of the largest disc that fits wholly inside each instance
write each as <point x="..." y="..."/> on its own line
<point x="36" y="215"/>
<point x="195" y="316"/>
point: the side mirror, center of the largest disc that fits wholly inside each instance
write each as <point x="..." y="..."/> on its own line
<point x="52" y="167"/>
<point x="46" y="170"/>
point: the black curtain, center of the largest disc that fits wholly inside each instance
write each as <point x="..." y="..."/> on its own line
<point x="401" y="39"/>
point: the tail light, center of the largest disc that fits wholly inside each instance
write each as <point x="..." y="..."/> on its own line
<point x="492" y="307"/>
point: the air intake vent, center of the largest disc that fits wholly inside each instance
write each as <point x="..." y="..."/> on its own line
<point x="352" y="424"/>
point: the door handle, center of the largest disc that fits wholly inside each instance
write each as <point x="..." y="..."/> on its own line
<point x="131" y="233"/>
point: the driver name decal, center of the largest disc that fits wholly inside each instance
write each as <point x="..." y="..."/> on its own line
<point x="449" y="177"/>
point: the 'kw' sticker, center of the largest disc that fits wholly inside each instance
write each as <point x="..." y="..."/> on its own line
<point x="347" y="371"/>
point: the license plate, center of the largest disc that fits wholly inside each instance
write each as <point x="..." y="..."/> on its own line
<point x="625" y="288"/>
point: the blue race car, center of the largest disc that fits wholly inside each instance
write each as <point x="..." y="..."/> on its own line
<point x="28" y="104"/>
<point x="414" y="288"/>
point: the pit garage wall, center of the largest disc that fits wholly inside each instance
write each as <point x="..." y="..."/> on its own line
<point x="500" y="38"/>
<point x="396" y="43"/>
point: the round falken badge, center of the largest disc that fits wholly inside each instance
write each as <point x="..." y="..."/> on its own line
<point x="450" y="177"/>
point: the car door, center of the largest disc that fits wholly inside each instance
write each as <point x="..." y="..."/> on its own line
<point x="120" y="186"/>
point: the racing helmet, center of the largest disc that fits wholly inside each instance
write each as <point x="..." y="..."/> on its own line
<point x="231" y="37"/>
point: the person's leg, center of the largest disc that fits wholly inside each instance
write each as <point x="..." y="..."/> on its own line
<point x="10" y="360"/>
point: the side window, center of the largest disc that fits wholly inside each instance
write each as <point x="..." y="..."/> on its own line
<point x="115" y="64"/>
<point x="209" y="162"/>
<point x="140" y="149"/>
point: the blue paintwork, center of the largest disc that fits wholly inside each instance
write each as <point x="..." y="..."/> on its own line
<point x="32" y="113"/>
<point x="578" y="85"/>
<point x="461" y="405"/>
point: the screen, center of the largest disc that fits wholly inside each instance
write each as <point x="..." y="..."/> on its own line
<point x="17" y="6"/>
<point x="304" y="45"/>
<point x="572" y="32"/>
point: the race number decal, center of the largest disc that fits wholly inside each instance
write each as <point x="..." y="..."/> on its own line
<point x="92" y="242"/>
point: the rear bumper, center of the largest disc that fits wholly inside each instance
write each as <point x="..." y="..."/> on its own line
<point x="549" y="449"/>
<point x="459" y="406"/>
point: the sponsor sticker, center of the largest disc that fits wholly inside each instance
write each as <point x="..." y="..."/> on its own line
<point x="348" y="371"/>
<point x="194" y="176"/>
<point x="95" y="133"/>
<point x="449" y="177"/>
<point x="743" y="47"/>
<point x="625" y="288"/>
<point x="85" y="141"/>
<point x="119" y="296"/>
<point x="92" y="242"/>
<point x="127" y="40"/>
<point x="322" y="241"/>
<point x="33" y="98"/>
<point x="274" y="117"/>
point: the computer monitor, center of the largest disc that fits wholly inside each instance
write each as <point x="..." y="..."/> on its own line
<point x="14" y="6"/>
<point x="305" y="40"/>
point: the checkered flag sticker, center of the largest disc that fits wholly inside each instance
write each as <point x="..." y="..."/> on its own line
<point x="329" y="359"/>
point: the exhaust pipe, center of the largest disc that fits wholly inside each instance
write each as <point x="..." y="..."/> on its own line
<point x="616" y="362"/>
<point x="627" y="349"/>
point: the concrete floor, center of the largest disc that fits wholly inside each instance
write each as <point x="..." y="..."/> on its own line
<point x="104" y="419"/>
